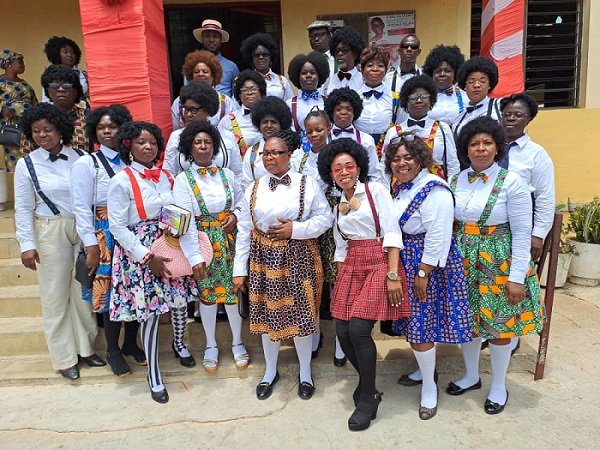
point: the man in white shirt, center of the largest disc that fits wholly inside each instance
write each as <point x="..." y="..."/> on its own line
<point x="406" y="67"/>
<point x="346" y="46"/>
<point x="319" y="37"/>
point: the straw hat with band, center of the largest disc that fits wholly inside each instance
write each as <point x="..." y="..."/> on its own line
<point x="211" y="25"/>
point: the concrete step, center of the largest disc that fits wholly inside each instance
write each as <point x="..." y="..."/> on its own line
<point x="20" y="301"/>
<point x="7" y="221"/>
<point x="13" y="273"/>
<point x="9" y="247"/>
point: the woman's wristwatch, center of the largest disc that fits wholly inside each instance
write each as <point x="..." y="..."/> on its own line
<point x="393" y="276"/>
<point x="422" y="274"/>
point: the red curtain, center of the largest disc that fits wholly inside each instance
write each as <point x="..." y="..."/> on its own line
<point x="502" y="25"/>
<point x="126" y="54"/>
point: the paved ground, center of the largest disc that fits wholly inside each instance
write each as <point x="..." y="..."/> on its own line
<point x="221" y="411"/>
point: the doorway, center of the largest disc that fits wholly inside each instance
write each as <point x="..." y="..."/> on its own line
<point x="239" y="19"/>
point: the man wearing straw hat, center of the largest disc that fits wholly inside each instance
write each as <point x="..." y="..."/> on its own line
<point x="211" y="35"/>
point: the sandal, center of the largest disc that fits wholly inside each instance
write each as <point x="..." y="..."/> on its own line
<point x="210" y="363"/>
<point x="243" y="359"/>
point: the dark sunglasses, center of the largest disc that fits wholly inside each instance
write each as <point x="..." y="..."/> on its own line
<point x="262" y="55"/>
<point x="409" y="45"/>
<point x="65" y="86"/>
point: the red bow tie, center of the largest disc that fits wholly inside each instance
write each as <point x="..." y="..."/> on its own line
<point x="151" y="174"/>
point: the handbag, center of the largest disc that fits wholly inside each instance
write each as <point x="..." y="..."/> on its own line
<point x="168" y="246"/>
<point x="244" y="304"/>
<point x="10" y="135"/>
<point x="82" y="271"/>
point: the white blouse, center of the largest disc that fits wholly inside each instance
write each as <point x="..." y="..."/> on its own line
<point x="448" y="106"/>
<point x="443" y="138"/>
<point x="481" y="109"/>
<point x="376" y="115"/>
<point x="228" y="157"/>
<point x="435" y="218"/>
<point x="252" y="158"/>
<point x="334" y="82"/>
<point x="303" y="107"/>
<point x="514" y="196"/>
<point x="309" y="168"/>
<point x="54" y="178"/>
<point x="215" y="199"/>
<point x="283" y="203"/>
<point x="250" y="133"/>
<point x="375" y="172"/>
<point x="84" y="178"/>
<point x="279" y="86"/>
<point x="226" y="105"/>
<point x="122" y="210"/>
<point x="360" y="224"/>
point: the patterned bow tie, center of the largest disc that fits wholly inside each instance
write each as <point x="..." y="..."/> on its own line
<point x="470" y="109"/>
<point x="449" y="92"/>
<point x="373" y="93"/>
<point x="54" y="157"/>
<point x="203" y="171"/>
<point x="267" y="77"/>
<point x="116" y="160"/>
<point x="398" y="186"/>
<point x="338" y="131"/>
<point x="472" y="176"/>
<point x="274" y="182"/>
<point x="341" y="75"/>
<point x="408" y="72"/>
<point x="151" y="174"/>
<point x="247" y="111"/>
<point x="310" y="95"/>
<point x="419" y="123"/>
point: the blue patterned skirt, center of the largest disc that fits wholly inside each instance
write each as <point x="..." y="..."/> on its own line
<point x="445" y="315"/>
<point x="99" y="294"/>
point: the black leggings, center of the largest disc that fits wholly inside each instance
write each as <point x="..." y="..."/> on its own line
<point x="358" y="345"/>
<point x="112" y="330"/>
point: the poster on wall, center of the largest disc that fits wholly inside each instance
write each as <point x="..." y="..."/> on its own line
<point x="387" y="30"/>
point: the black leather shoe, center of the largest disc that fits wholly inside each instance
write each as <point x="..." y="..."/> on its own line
<point x="315" y="353"/>
<point x="494" y="408"/>
<point x="305" y="390"/>
<point x="160" y="396"/>
<point x="365" y="412"/>
<point x="118" y="365"/>
<point x="264" y="389"/>
<point x="72" y="373"/>
<point x="137" y="354"/>
<point x="405" y="380"/>
<point x="93" y="361"/>
<point x="454" y="389"/>
<point x="185" y="361"/>
<point x="339" y="362"/>
<point x="517" y="347"/>
<point x="485" y="344"/>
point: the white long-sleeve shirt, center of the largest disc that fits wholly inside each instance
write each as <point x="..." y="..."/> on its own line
<point x="448" y="107"/>
<point x="226" y="105"/>
<point x="334" y="82"/>
<point x="514" y="196"/>
<point x="532" y="162"/>
<point x="54" y="179"/>
<point x="481" y="109"/>
<point x="85" y="178"/>
<point x="282" y="203"/>
<point x="122" y="210"/>
<point x="279" y="86"/>
<point x="376" y="115"/>
<point x="252" y="165"/>
<point x="303" y="107"/>
<point x="228" y="156"/>
<point x="250" y="133"/>
<point x="435" y="218"/>
<point x="360" y="224"/>
<point x="215" y="198"/>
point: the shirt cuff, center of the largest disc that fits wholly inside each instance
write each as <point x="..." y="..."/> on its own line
<point x="539" y="232"/>
<point x="26" y="246"/>
<point x="393" y="240"/>
<point x="429" y="260"/>
<point x="89" y="240"/>
<point x="140" y="253"/>
<point x="240" y="270"/>
<point x="195" y="260"/>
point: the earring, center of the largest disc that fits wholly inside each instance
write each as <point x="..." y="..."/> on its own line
<point x="130" y="157"/>
<point x="190" y="158"/>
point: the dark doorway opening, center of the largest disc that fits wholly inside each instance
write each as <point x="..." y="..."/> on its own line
<point x="239" y="19"/>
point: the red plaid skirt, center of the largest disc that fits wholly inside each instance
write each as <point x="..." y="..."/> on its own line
<point x="360" y="289"/>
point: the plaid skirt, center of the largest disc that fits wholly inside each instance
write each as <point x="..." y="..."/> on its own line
<point x="360" y="290"/>
<point x="445" y="315"/>
<point x="137" y="294"/>
<point x="99" y="294"/>
<point x="285" y="283"/>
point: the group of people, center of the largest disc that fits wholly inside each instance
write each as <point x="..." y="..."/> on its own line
<point x="403" y="194"/>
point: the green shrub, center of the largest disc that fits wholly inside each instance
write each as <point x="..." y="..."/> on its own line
<point x="585" y="222"/>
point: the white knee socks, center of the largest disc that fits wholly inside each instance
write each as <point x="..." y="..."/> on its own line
<point x="208" y="313"/>
<point x="470" y="351"/>
<point x="499" y="359"/>
<point x="271" y="351"/>
<point x="303" y="350"/>
<point x="426" y="362"/>
<point x="339" y="353"/>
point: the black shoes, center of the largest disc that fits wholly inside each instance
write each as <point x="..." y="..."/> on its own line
<point x="185" y="361"/>
<point x="136" y="353"/>
<point x="160" y="396"/>
<point x="72" y="373"/>
<point x="494" y="408"/>
<point x="305" y="389"/>
<point x="365" y="412"/>
<point x="315" y="353"/>
<point x="454" y="389"/>
<point x="405" y="380"/>
<point x="339" y="362"/>
<point x="93" y="361"/>
<point x="264" y="389"/>
<point x="117" y="363"/>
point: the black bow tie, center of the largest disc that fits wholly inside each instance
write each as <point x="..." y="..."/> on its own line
<point x="338" y="131"/>
<point x="419" y="123"/>
<point x="247" y="111"/>
<point x="372" y="93"/>
<point x="408" y="72"/>
<point x="54" y="157"/>
<point x="274" y="182"/>
<point x="470" y="109"/>
<point x="341" y="75"/>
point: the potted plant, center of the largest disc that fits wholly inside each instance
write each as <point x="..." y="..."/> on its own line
<point x="585" y="223"/>
<point x="566" y="250"/>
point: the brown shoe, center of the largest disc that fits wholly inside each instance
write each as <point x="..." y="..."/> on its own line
<point x="427" y="413"/>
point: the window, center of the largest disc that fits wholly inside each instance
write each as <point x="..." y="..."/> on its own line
<point x="552" y="49"/>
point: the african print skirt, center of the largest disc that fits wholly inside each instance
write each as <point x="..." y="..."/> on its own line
<point x="217" y="286"/>
<point x="99" y="294"/>
<point x="137" y="294"/>
<point x="361" y="287"/>
<point x="285" y="282"/>
<point x="445" y="315"/>
<point x="486" y="251"/>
